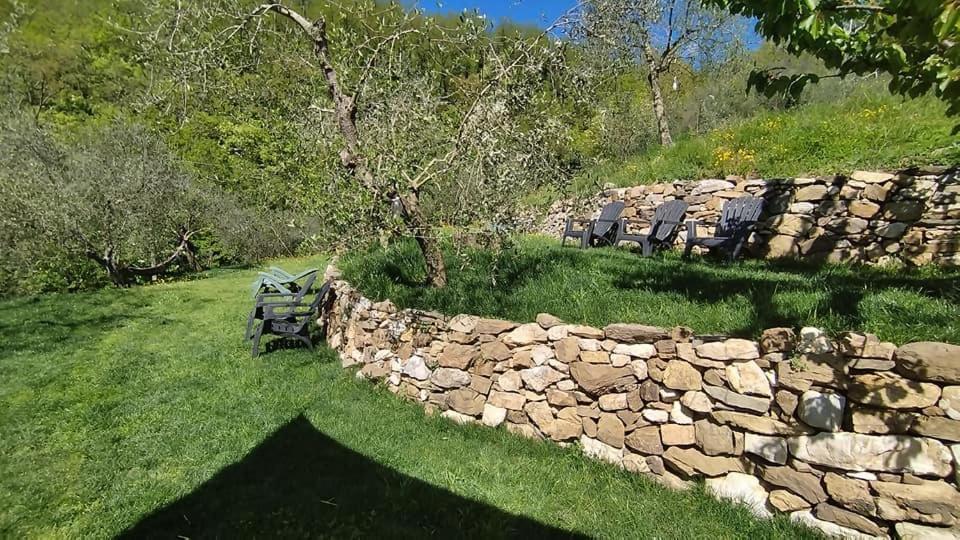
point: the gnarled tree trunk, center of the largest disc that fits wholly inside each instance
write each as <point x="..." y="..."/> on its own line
<point x="122" y="274"/>
<point x="429" y="246"/>
<point x="656" y="96"/>
<point x="345" y="110"/>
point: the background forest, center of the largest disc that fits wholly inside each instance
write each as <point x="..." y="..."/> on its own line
<point x="127" y="149"/>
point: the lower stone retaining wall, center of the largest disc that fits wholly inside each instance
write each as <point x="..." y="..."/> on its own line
<point x="854" y="436"/>
<point x="910" y="217"/>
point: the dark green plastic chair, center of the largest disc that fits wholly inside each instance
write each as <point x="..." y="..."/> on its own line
<point x="738" y="220"/>
<point x="290" y="319"/>
<point x="279" y="281"/>
<point x="663" y="229"/>
<point x="594" y="232"/>
<point x="266" y="299"/>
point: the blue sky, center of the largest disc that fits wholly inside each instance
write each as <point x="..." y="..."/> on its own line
<point x="538" y="12"/>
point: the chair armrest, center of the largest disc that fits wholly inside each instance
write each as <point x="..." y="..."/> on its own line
<point x="692" y="225"/>
<point x="289" y="309"/>
<point x="275" y="295"/>
<point x="623" y="225"/>
<point x="265" y="299"/>
<point x="568" y="228"/>
<point x="291" y="304"/>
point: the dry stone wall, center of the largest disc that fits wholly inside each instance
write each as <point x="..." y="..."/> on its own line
<point x="855" y="436"/>
<point x="910" y="217"/>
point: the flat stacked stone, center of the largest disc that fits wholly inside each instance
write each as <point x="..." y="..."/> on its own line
<point x="860" y="439"/>
<point x="907" y="217"/>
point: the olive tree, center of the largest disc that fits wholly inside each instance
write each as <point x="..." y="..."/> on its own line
<point x="656" y="34"/>
<point x="392" y="100"/>
<point x="115" y="197"/>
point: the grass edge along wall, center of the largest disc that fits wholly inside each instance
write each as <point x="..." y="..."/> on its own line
<point x="855" y="436"/>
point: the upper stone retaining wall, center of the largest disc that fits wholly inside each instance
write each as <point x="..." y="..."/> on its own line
<point x="854" y="436"/>
<point x="872" y="217"/>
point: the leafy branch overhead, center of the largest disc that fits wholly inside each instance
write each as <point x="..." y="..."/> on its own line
<point x="916" y="42"/>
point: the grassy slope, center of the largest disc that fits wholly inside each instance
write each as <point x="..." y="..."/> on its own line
<point x="862" y="132"/>
<point x="613" y="285"/>
<point x="141" y="408"/>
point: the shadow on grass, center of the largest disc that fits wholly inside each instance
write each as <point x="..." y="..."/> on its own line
<point x="843" y="289"/>
<point x="301" y="483"/>
<point x="59" y="318"/>
<point x="778" y="293"/>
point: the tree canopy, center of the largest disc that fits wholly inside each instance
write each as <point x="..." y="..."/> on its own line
<point x="482" y="120"/>
<point x="916" y="42"/>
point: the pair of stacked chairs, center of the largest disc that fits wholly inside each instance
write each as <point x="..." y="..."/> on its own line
<point x="737" y="221"/>
<point x="284" y="305"/>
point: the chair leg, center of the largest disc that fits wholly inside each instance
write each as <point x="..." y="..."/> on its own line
<point x="250" y="320"/>
<point x="687" y="250"/>
<point x="736" y="251"/>
<point x="255" y="350"/>
<point x="647" y="246"/>
<point x="306" y="340"/>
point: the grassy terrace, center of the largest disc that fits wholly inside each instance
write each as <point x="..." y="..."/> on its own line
<point x="140" y="411"/>
<point x="614" y="285"/>
<point x="859" y="132"/>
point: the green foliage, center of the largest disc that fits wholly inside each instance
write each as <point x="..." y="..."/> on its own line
<point x="120" y="408"/>
<point x="603" y="286"/>
<point x="65" y="60"/>
<point x="860" y="132"/>
<point x="110" y="196"/>
<point x="916" y="43"/>
<point x="255" y="125"/>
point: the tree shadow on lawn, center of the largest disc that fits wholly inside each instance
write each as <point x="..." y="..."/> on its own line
<point x="58" y="319"/>
<point x="482" y="286"/>
<point x="842" y="290"/>
<point x="301" y="483"/>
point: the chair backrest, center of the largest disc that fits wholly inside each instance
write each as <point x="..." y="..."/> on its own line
<point x="266" y="282"/>
<point x="307" y="285"/>
<point x="281" y="273"/>
<point x="280" y="285"/>
<point x="738" y="216"/>
<point x="286" y="277"/>
<point x="321" y="295"/>
<point x="667" y="219"/>
<point x="314" y="306"/>
<point x="609" y="216"/>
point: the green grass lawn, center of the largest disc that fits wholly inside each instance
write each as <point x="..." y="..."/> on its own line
<point x="608" y="285"/>
<point x="874" y="131"/>
<point x="141" y="412"/>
